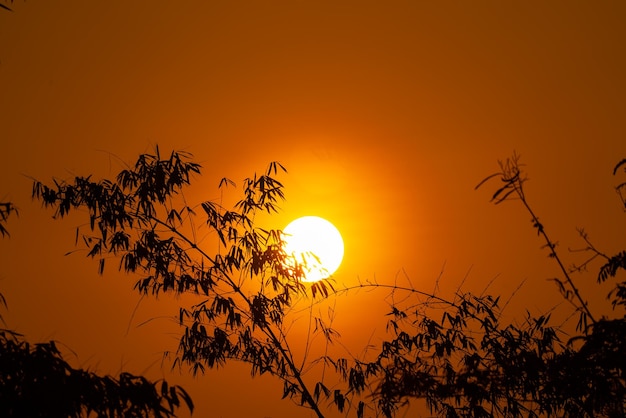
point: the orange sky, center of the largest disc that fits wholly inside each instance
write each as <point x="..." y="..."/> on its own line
<point x="386" y="114"/>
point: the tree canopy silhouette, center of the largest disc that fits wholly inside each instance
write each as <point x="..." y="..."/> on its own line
<point x="459" y="355"/>
<point x="245" y="286"/>
<point x="470" y="363"/>
<point x="35" y="380"/>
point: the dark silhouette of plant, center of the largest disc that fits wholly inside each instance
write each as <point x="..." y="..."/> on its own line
<point x="618" y="261"/>
<point x="35" y="380"/>
<point x="512" y="178"/>
<point x="470" y="363"/>
<point x="459" y="355"/>
<point x="5" y="7"/>
<point x="239" y="272"/>
<point x="6" y="209"/>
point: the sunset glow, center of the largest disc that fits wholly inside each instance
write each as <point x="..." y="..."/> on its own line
<point x="316" y="244"/>
<point x="385" y="115"/>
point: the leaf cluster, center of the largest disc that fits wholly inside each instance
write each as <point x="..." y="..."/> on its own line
<point x="35" y="381"/>
<point x="6" y="209"/>
<point x="468" y="363"/>
<point x="239" y="272"/>
<point x="464" y="360"/>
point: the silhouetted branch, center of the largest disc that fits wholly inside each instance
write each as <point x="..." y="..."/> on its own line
<point x="6" y="209"/>
<point x="512" y="176"/>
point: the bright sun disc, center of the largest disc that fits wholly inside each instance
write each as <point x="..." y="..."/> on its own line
<point x="316" y="244"/>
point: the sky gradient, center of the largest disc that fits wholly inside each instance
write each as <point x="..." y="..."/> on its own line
<point x="385" y="114"/>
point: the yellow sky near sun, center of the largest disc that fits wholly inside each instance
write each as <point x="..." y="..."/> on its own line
<point x="386" y="116"/>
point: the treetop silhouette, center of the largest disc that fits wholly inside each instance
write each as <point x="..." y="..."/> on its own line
<point x="458" y="355"/>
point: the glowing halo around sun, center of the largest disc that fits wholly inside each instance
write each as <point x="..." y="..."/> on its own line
<point x="316" y="244"/>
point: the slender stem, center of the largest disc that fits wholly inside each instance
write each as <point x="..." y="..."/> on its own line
<point x="551" y="246"/>
<point x="308" y="337"/>
<point x="308" y="398"/>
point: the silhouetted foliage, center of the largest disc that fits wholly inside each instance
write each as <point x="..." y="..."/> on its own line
<point x="463" y="359"/>
<point x="245" y="286"/>
<point x="35" y="381"/>
<point x="471" y="364"/>
<point x="6" y="209"/>
<point x="458" y="355"/>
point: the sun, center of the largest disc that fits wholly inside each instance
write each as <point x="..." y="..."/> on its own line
<point x="316" y="244"/>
